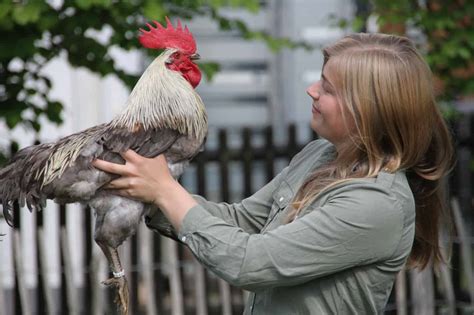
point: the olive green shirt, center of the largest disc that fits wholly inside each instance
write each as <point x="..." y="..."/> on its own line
<point x="339" y="256"/>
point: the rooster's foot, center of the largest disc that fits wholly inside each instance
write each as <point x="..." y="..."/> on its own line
<point x="122" y="298"/>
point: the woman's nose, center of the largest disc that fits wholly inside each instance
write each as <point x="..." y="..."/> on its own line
<point x="313" y="90"/>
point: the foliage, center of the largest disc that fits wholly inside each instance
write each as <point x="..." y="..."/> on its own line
<point x="34" y="32"/>
<point x="445" y="31"/>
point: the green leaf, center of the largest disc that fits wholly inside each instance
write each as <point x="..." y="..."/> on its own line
<point x="154" y="10"/>
<point x="358" y="23"/>
<point x="87" y="4"/>
<point x="13" y="118"/>
<point x="3" y="158"/>
<point x="225" y="24"/>
<point x="53" y="111"/>
<point x="251" y="5"/>
<point x="28" y="12"/>
<point x="48" y="21"/>
<point x="5" y="9"/>
<point x="21" y="46"/>
<point x="84" y="4"/>
<point x="34" y="124"/>
<point x="209" y="69"/>
<point x="216" y="4"/>
<point x="464" y="53"/>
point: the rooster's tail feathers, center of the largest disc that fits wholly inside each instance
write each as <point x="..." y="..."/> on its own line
<point x="18" y="183"/>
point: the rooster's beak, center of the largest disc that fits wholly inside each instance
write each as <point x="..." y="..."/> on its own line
<point x="195" y="56"/>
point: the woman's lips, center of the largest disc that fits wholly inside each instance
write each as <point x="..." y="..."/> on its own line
<point x="315" y="110"/>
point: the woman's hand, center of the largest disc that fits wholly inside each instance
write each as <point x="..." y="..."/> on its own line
<point x="149" y="180"/>
<point x="141" y="178"/>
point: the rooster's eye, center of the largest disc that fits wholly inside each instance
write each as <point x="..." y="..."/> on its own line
<point x="195" y="56"/>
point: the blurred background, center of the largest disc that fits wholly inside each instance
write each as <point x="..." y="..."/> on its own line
<point x="68" y="65"/>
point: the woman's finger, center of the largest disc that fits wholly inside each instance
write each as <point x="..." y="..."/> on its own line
<point x="130" y="155"/>
<point x="161" y="158"/>
<point x="109" y="167"/>
<point x="119" y="183"/>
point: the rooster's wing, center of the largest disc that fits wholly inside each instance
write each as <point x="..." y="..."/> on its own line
<point x="63" y="171"/>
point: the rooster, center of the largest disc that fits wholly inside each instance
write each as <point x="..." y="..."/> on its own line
<point x="164" y="114"/>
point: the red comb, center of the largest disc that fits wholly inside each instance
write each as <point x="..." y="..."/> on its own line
<point x="168" y="37"/>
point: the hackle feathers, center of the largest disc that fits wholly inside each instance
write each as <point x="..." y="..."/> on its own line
<point x="163" y="99"/>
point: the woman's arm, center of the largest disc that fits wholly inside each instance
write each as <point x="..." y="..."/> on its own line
<point x="144" y="179"/>
<point x="361" y="225"/>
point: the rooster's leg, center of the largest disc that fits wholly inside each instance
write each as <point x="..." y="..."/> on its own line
<point x="119" y="280"/>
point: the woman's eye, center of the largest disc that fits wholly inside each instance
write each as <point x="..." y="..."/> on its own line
<point x="326" y="89"/>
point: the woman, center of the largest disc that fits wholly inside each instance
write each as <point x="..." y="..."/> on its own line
<point x="328" y="234"/>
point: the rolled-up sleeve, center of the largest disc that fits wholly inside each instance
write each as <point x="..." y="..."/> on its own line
<point x="358" y="224"/>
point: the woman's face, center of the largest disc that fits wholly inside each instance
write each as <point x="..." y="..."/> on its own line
<point x="327" y="120"/>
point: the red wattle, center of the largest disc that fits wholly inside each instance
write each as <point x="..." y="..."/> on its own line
<point x="188" y="70"/>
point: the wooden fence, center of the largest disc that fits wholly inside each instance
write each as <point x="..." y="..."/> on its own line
<point x="49" y="263"/>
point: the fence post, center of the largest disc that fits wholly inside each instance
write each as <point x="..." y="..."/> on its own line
<point x="224" y="165"/>
<point x="145" y="237"/>
<point x="269" y="154"/>
<point x="224" y="287"/>
<point x="200" y="284"/>
<point x="247" y="157"/>
<point x="465" y="248"/>
<point x="292" y="148"/>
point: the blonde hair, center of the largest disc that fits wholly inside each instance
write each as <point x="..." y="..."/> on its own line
<point x="385" y="87"/>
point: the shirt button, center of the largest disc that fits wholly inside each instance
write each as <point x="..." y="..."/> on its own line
<point x="183" y="239"/>
<point x="281" y="199"/>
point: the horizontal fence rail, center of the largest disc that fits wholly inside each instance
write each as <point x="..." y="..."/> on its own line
<point x="50" y="264"/>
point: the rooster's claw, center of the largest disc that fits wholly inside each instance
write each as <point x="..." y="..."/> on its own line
<point x="122" y="297"/>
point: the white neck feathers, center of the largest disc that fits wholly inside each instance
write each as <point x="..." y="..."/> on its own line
<point x="162" y="98"/>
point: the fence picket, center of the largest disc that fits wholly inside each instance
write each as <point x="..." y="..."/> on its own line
<point x="401" y="293"/>
<point x="466" y="251"/>
<point x="71" y="296"/>
<point x="7" y="271"/>
<point x="3" y="311"/>
<point x="147" y="290"/>
<point x="176" y="289"/>
<point x="422" y="291"/>
<point x="447" y="285"/>
<point x="29" y="254"/>
<point x="98" y="273"/>
<point x="200" y="288"/>
<point x="224" y="292"/>
<point x="43" y="283"/>
<point x="25" y="299"/>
